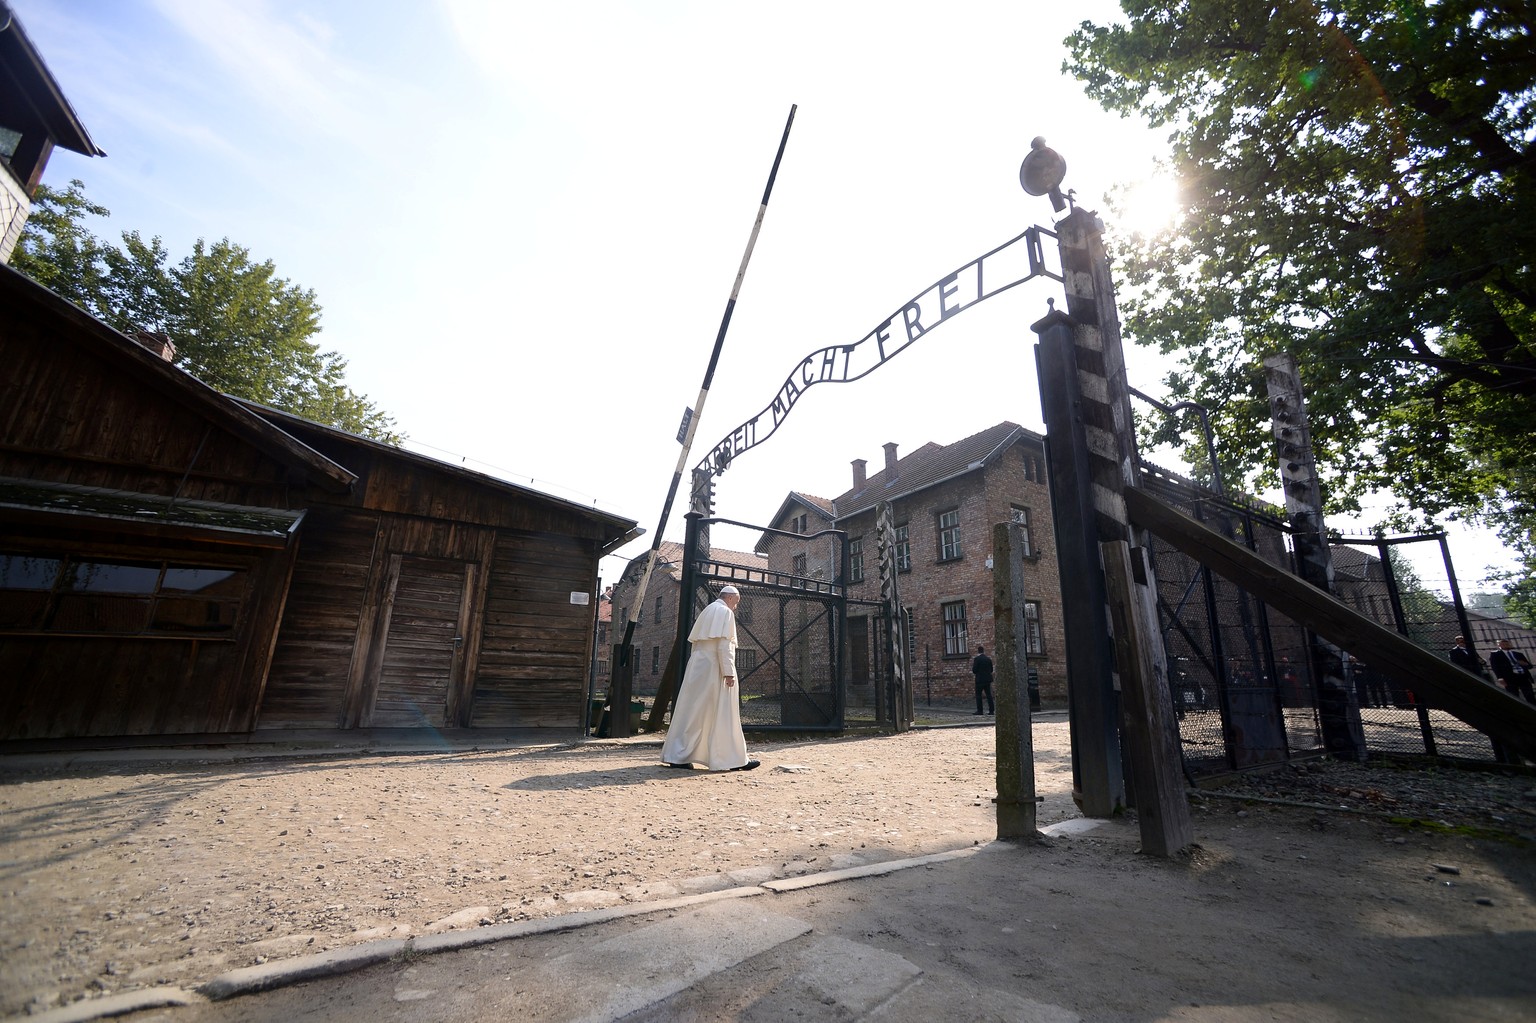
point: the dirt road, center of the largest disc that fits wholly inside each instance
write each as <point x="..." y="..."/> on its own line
<point x="117" y="877"/>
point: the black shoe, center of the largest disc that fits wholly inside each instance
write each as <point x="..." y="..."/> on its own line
<point x="686" y="767"/>
<point x="749" y="765"/>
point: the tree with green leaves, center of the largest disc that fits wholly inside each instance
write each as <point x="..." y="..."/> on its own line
<point x="236" y="325"/>
<point x="1359" y="189"/>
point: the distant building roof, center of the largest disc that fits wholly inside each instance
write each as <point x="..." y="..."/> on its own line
<point x="929" y="465"/>
<point x="669" y="559"/>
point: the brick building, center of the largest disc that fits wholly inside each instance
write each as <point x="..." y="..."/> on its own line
<point x="946" y="499"/>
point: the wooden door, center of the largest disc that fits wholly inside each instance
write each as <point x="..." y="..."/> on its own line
<point x="423" y="645"/>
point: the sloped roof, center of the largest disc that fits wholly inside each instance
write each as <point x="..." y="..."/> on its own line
<point x="813" y="501"/>
<point x="823" y="507"/>
<point x="278" y="434"/>
<point x="135" y="362"/>
<point x="931" y="464"/>
<point x="622" y="529"/>
<point x="25" y="67"/>
<point x="669" y="558"/>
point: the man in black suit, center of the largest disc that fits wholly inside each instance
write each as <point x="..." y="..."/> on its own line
<point x="1464" y="658"/>
<point x="1513" y="670"/>
<point x="981" y="667"/>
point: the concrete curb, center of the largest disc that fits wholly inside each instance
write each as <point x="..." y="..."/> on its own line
<point x="450" y="941"/>
<point x="291" y="971"/>
<point x="795" y="884"/>
<point x="254" y="979"/>
<point x="115" y="1005"/>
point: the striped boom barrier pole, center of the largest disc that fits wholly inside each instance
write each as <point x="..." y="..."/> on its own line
<point x="692" y="416"/>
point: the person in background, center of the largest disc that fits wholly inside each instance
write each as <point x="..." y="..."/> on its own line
<point x="981" y="667"/>
<point x="1466" y="659"/>
<point x="1513" y="670"/>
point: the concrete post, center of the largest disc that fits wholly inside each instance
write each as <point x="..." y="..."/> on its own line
<point x="1016" y="800"/>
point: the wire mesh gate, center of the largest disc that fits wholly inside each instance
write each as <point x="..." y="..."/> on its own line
<point x="791" y="625"/>
<point x="1372" y="575"/>
<point x="1239" y="672"/>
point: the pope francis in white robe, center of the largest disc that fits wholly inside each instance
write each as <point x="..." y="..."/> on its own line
<point x="706" y="722"/>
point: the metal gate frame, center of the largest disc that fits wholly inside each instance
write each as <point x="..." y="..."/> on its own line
<point x="795" y="680"/>
<point x="1269" y="712"/>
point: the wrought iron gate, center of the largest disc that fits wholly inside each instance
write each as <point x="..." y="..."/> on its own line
<point x="791" y="625"/>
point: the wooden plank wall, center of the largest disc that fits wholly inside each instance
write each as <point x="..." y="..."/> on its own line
<point x="68" y="687"/>
<point x="65" y="416"/>
<point x="307" y="683"/>
<point x="537" y="645"/>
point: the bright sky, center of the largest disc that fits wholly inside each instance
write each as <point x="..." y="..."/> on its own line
<point x="523" y="220"/>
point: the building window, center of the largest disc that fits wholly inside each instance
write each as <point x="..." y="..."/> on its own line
<point x="856" y="560"/>
<point x="746" y="662"/>
<point x="1034" y="643"/>
<point x="903" y="550"/>
<point x="658" y="609"/>
<point x="799" y="523"/>
<point x="956" y="643"/>
<point x="623" y="617"/>
<point x="797" y="565"/>
<point x="1020" y="517"/>
<point x="133" y="598"/>
<point x="655" y="659"/>
<point x="949" y="535"/>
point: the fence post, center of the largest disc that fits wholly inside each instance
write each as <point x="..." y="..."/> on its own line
<point x="619" y="690"/>
<point x="666" y="690"/>
<point x="1103" y="407"/>
<point x="1098" y="781"/>
<point x="1016" y="802"/>
<point x="1151" y="732"/>
<point x="1400" y="616"/>
<point x="1338" y="710"/>
<point x="897" y="698"/>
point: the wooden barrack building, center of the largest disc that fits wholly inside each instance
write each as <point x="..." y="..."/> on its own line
<point x="177" y="563"/>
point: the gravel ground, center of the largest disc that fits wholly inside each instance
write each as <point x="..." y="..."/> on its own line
<point x="136" y="874"/>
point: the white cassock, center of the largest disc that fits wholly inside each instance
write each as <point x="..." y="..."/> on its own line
<point x="706" y="723"/>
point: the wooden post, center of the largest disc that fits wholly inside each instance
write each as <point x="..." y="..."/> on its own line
<point x="1102" y="433"/>
<point x="620" y="686"/>
<point x="695" y="548"/>
<point x="1338" y="709"/>
<point x="1151" y="733"/>
<point x="1016" y="801"/>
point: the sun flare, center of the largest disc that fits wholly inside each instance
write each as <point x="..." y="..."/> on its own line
<point x="1147" y="206"/>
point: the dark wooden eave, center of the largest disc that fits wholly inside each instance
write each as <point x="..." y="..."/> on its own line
<point x="616" y="530"/>
<point x="81" y="329"/>
<point x="20" y="57"/>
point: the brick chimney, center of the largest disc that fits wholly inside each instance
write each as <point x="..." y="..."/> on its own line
<point x="890" y="462"/>
<point x="156" y="342"/>
<point x="859" y="468"/>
